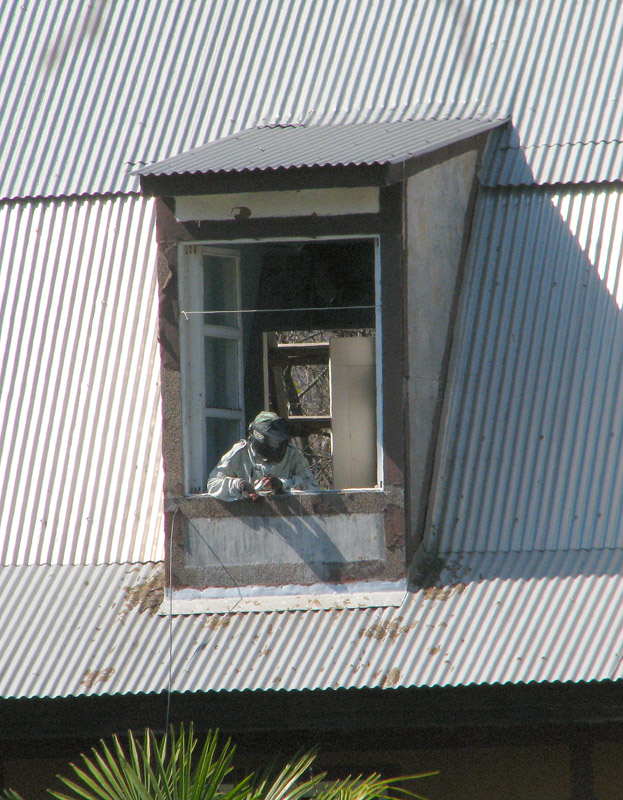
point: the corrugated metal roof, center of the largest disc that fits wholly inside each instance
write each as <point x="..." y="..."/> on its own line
<point x="566" y="163"/>
<point x="88" y="88"/>
<point x="507" y="618"/>
<point x="532" y="457"/>
<point x="275" y="146"/>
<point x="80" y="422"/>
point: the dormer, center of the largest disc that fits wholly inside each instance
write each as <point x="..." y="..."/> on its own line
<point x="313" y="271"/>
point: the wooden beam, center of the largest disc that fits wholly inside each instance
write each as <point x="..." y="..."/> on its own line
<point x="302" y="354"/>
<point x="303" y="426"/>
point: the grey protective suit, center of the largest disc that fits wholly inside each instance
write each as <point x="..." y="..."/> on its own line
<point x="243" y="462"/>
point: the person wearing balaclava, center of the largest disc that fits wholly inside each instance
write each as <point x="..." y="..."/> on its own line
<point x="266" y="462"/>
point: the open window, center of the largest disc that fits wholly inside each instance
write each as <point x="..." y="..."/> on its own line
<point x="289" y="326"/>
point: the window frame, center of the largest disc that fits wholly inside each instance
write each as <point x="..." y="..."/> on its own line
<point x="189" y="436"/>
<point x="193" y="335"/>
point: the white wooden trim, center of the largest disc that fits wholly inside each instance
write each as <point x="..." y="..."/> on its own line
<point x="378" y="328"/>
<point x="286" y="203"/>
<point x="193" y="333"/>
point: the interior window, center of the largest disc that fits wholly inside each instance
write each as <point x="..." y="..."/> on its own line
<point x="288" y="327"/>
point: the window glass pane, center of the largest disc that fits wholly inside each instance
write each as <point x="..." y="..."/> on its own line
<point x="219" y="290"/>
<point x="221" y="434"/>
<point x="221" y="373"/>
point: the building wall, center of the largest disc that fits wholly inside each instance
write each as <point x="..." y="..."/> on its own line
<point x="498" y="773"/>
<point x="438" y="223"/>
<point x="608" y="766"/>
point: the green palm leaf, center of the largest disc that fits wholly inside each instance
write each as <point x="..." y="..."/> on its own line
<point x="173" y="767"/>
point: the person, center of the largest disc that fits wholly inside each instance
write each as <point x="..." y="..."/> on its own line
<point x="266" y="462"/>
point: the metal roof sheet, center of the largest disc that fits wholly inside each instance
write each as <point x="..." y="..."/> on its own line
<point x="80" y="423"/>
<point x="89" y="88"/>
<point x="532" y="456"/>
<point x="493" y="618"/>
<point x="565" y="163"/>
<point x="275" y="146"/>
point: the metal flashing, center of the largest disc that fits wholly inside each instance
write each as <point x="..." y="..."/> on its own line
<point x="370" y="594"/>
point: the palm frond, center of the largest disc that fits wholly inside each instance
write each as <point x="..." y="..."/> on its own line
<point x="172" y="767"/>
<point x="10" y="794"/>
<point x="372" y="787"/>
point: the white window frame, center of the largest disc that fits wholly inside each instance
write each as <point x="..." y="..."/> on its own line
<point x="191" y="373"/>
<point x="195" y="327"/>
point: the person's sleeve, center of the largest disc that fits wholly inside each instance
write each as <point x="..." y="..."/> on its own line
<point x="222" y="480"/>
<point x="302" y="477"/>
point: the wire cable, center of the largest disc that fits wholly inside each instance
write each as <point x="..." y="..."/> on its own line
<point x="215" y="554"/>
<point x="170" y="682"/>
<point x="170" y="610"/>
<point x="186" y="314"/>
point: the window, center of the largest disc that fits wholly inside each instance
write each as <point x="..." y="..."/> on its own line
<point x="289" y="326"/>
<point x="213" y="398"/>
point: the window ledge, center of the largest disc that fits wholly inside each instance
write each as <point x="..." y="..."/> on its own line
<point x="326" y="501"/>
<point x="299" y="493"/>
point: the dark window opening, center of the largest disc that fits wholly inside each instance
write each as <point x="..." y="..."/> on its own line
<point x="288" y="327"/>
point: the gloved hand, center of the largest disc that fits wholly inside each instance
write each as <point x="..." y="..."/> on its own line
<point x="271" y="485"/>
<point x="245" y="489"/>
<point x="276" y="484"/>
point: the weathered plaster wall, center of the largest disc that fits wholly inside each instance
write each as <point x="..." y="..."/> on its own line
<point x="332" y="537"/>
<point x="169" y="234"/>
<point x="438" y="209"/>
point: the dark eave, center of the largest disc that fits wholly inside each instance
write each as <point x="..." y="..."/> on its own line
<point x="264" y="180"/>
